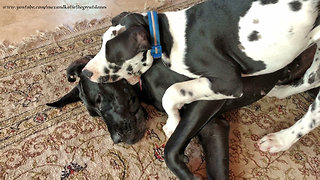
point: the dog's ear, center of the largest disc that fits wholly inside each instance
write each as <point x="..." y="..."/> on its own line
<point x="72" y="96"/>
<point x="75" y="68"/>
<point x="127" y="44"/>
<point x="142" y="37"/>
<point x="116" y="20"/>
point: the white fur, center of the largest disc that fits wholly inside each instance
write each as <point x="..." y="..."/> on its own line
<point x="177" y="23"/>
<point x="277" y="46"/>
<point x="284" y="91"/>
<point x="99" y="62"/>
<point x="173" y="99"/>
<point x="284" y="139"/>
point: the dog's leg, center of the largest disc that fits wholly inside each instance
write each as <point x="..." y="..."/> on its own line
<point x="197" y="89"/>
<point x="283" y="140"/>
<point x="214" y="138"/>
<point x="310" y="80"/>
<point x="194" y="117"/>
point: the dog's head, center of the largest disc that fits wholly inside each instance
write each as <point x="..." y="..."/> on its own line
<point x="117" y="104"/>
<point x="125" y="51"/>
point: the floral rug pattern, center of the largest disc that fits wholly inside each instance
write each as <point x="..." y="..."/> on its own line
<point x="39" y="142"/>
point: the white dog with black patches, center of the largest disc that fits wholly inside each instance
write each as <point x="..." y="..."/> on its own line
<point x="214" y="43"/>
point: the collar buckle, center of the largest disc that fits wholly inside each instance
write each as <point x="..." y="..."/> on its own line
<point x="156" y="52"/>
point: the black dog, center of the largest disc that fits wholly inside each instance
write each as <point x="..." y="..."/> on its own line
<point x="104" y="100"/>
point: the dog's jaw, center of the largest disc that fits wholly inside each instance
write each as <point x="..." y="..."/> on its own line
<point x="133" y="69"/>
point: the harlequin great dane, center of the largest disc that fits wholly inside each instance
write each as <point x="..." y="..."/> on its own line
<point x="213" y="137"/>
<point x="214" y="43"/>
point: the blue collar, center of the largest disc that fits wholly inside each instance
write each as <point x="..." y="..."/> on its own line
<point x="156" y="50"/>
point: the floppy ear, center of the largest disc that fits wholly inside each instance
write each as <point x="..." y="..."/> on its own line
<point x="75" y="68"/>
<point x="127" y="44"/>
<point x="142" y="37"/>
<point x="72" y="96"/>
<point x="116" y="20"/>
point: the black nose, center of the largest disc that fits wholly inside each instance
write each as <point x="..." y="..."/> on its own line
<point x="87" y="73"/>
<point x="116" y="138"/>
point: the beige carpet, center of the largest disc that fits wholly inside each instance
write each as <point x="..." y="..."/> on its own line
<point x="38" y="142"/>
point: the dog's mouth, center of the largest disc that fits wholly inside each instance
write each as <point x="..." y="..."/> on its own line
<point x="130" y="132"/>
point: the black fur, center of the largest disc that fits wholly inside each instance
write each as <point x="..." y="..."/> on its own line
<point x="295" y="5"/>
<point x="127" y="44"/>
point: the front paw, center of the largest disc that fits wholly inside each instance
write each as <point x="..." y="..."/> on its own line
<point x="274" y="143"/>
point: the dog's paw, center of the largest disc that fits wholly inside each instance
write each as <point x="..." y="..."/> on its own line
<point x="273" y="143"/>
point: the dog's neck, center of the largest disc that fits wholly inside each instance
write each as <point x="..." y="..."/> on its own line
<point x="165" y="36"/>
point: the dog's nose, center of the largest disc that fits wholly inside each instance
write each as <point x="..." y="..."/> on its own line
<point x="116" y="138"/>
<point x="87" y="73"/>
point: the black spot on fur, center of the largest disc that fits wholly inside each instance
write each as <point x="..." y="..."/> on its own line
<point x="291" y="30"/>
<point x="114" y="77"/>
<point x="265" y="2"/>
<point x="129" y="68"/>
<point x="168" y="64"/>
<point x="299" y="135"/>
<point x="312" y="123"/>
<point x="103" y="79"/>
<point x="144" y="64"/>
<point x="116" y="69"/>
<point x="183" y="92"/>
<point x="313" y="106"/>
<point x="106" y="70"/>
<point x="312" y="78"/>
<point x="295" y="5"/>
<point x="255" y="21"/>
<point x="111" y="66"/>
<point x="190" y="93"/>
<point x="253" y="36"/>
<point x="298" y="83"/>
<point x="144" y="57"/>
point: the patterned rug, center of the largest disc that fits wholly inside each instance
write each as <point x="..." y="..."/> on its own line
<point x="38" y="142"/>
